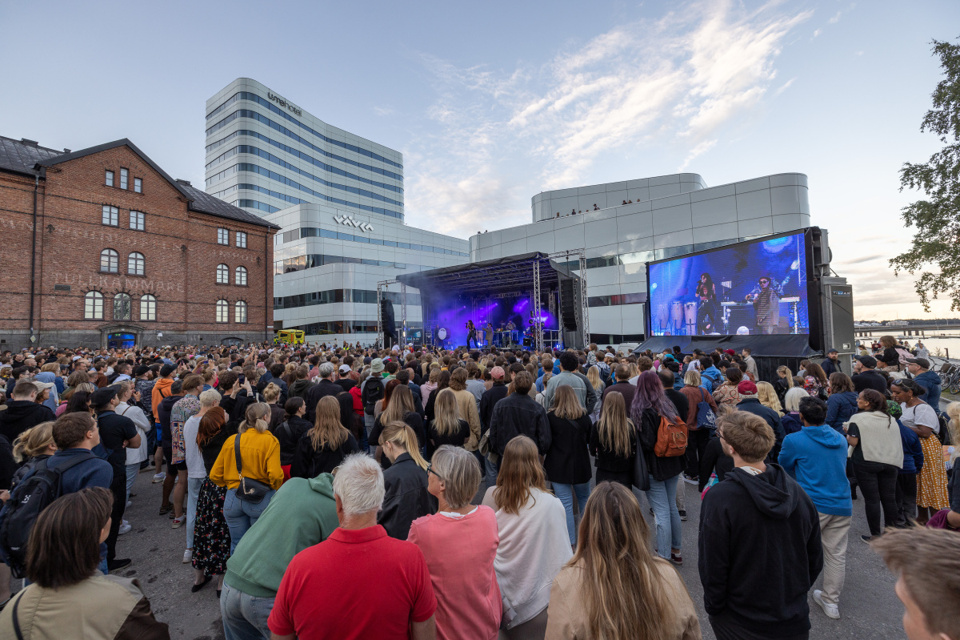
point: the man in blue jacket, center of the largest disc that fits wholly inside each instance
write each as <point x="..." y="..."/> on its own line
<point x="817" y="457"/>
<point x="919" y="368"/>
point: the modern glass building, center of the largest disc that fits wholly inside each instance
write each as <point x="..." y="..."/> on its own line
<point x="338" y="198"/>
<point x="624" y="225"/>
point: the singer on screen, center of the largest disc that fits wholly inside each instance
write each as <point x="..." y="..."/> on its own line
<point x="708" y="312"/>
<point x="766" y="302"/>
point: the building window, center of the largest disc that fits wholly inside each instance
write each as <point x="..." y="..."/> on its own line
<point x="148" y="308"/>
<point x="135" y="264"/>
<point x="223" y="236"/>
<point x="93" y="306"/>
<point x="136" y="220"/>
<point x="108" y="178"/>
<point x="110" y="216"/>
<point x="223" y="274"/>
<point x="138" y="185"/>
<point x="223" y="311"/>
<point x="121" y="306"/>
<point x="241" y="277"/>
<point x="109" y="261"/>
<point x="242" y="239"/>
<point x="240" y="312"/>
<point x="124" y="176"/>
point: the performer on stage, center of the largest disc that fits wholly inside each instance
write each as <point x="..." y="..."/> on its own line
<point x="472" y="335"/>
<point x="488" y="330"/>
<point x="708" y="315"/>
<point x="766" y="301"/>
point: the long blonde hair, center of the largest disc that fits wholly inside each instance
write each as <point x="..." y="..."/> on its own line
<point x="953" y="410"/>
<point x="767" y="396"/>
<point x="328" y="431"/>
<point x="401" y="435"/>
<point x="784" y="371"/>
<point x="566" y="405"/>
<point x="520" y="471"/>
<point x="621" y="588"/>
<point x="446" y="413"/>
<point x="593" y="375"/>
<point x="614" y="428"/>
<point x="256" y="417"/>
<point x="33" y="442"/>
<point x="401" y="403"/>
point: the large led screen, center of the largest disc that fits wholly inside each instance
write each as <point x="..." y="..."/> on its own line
<point x="756" y="287"/>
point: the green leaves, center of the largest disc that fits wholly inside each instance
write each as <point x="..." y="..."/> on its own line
<point x="936" y="220"/>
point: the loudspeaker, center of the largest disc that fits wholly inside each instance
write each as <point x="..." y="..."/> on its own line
<point x="838" y="332"/>
<point x="387" y="320"/>
<point x="569" y="302"/>
<point x="821" y="247"/>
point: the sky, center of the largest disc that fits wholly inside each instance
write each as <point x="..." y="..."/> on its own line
<point x="491" y="103"/>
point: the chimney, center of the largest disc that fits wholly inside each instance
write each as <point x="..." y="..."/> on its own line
<point x="65" y="150"/>
<point x="185" y="183"/>
<point x="29" y="143"/>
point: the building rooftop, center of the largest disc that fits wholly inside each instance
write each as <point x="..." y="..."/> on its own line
<point x="27" y="157"/>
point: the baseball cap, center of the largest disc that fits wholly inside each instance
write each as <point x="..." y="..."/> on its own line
<point x="833" y="351"/>
<point x="344" y="368"/>
<point x="923" y="362"/>
<point x="497" y="373"/>
<point x="747" y="388"/>
<point x="100" y="397"/>
<point x="868" y="361"/>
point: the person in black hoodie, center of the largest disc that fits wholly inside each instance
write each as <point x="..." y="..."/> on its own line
<point x="23" y="412"/>
<point x="290" y="431"/>
<point x="759" y="541"/>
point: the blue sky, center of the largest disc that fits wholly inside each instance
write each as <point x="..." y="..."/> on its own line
<point x="493" y="102"/>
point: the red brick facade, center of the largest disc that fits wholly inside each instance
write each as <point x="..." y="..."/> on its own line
<point x="179" y="246"/>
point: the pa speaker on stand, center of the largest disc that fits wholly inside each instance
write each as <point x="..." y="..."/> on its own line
<point x="388" y="323"/>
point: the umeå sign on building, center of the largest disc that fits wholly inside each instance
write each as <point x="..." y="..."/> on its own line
<point x="283" y="103"/>
<point x="350" y="222"/>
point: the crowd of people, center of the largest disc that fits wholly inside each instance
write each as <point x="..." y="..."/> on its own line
<point x="339" y="492"/>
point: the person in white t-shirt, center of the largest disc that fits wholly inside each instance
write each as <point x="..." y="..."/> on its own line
<point x="196" y="472"/>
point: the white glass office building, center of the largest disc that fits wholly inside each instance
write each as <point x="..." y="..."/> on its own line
<point x="339" y="201"/>
<point x="624" y="225"/>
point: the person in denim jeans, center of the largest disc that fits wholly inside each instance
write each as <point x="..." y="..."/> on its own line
<point x="260" y="460"/>
<point x="649" y="404"/>
<point x="568" y="460"/>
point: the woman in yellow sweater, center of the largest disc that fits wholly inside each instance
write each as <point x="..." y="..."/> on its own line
<point x="259" y="454"/>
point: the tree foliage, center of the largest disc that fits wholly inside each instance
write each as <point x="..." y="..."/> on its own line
<point x="935" y="250"/>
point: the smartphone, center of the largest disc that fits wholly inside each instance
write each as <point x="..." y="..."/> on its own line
<point x="242" y="379"/>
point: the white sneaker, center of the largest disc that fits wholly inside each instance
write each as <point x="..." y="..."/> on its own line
<point x="124" y="528"/>
<point x="159" y="477"/>
<point x="129" y="504"/>
<point x="187" y="556"/>
<point x="830" y="610"/>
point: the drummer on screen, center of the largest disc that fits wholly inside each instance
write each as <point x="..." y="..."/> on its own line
<point x="766" y="302"/>
<point x="708" y="312"/>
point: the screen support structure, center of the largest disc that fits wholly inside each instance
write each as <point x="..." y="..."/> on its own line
<point x="537" y="322"/>
<point x="581" y="256"/>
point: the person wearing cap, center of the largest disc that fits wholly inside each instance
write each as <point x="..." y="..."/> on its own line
<point x="116" y="433"/>
<point x="23" y="411"/>
<point x="919" y="368"/>
<point x="751" y="404"/>
<point x="345" y="381"/>
<point x="865" y="375"/>
<point x="831" y="364"/>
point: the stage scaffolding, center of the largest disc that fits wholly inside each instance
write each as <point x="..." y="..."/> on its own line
<point x="503" y="277"/>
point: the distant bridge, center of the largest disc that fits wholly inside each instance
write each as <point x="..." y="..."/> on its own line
<point x="950" y="328"/>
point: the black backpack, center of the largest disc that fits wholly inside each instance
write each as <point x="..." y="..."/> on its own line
<point x="372" y="391"/>
<point x="28" y="499"/>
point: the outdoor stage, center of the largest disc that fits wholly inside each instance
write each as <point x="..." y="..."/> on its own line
<point x="544" y="302"/>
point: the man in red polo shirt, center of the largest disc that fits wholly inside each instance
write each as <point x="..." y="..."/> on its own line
<point x="358" y="583"/>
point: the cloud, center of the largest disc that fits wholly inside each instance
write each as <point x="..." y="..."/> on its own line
<point x="676" y="81"/>
<point x="817" y="32"/>
<point x="383" y="111"/>
<point x="836" y="18"/>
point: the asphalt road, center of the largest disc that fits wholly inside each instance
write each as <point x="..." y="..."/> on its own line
<point x="869" y="607"/>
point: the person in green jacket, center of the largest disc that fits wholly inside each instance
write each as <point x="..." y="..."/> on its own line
<point x="301" y="514"/>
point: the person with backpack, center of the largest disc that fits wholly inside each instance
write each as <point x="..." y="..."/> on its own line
<point x="662" y="431"/>
<point x="371" y="391"/>
<point x="72" y="468"/>
<point x="701" y="416"/>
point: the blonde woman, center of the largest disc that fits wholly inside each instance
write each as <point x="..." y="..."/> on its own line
<point x="783" y="383"/>
<point x="399" y="408"/>
<point x="325" y="445"/>
<point x="430" y="385"/>
<point x="30" y="448"/>
<point x="271" y="394"/>
<point x="540" y="397"/>
<point x="598" y="595"/>
<point x="534" y="544"/>
<point x="767" y="396"/>
<point x="260" y="460"/>
<point x="613" y="441"/>
<point x="593" y="376"/>
<point x="467" y="404"/>
<point x="406" y="497"/>
<point x="447" y="426"/>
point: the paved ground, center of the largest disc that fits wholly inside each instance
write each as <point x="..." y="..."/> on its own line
<point x="869" y="607"/>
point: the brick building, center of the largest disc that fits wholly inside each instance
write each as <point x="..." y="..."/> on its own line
<point x="102" y="247"/>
